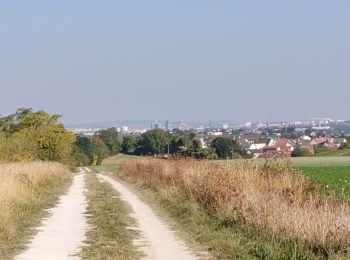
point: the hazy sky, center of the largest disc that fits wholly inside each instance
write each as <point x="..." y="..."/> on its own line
<point x="181" y="59"/>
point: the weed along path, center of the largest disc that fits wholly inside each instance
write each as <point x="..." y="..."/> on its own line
<point x="158" y="242"/>
<point x="62" y="233"/>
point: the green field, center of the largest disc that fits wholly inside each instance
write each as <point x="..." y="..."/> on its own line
<point x="323" y="161"/>
<point x="111" y="164"/>
<point x="333" y="172"/>
<point x="336" y="179"/>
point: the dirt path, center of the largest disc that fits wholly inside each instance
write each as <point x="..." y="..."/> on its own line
<point x="62" y="233"/>
<point x="158" y="241"/>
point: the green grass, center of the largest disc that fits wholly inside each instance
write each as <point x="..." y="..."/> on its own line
<point x="333" y="172"/>
<point x="109" y="236"/>
<point x="331" y="152"/>
<point x="324" y="161"/>
<point x="335" y="179"/>
<point x="112" y="163"/>
<point x="117" y="159"/>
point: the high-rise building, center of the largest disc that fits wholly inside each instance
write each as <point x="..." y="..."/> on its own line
<point x="156" y="125"/>
<point x="166" y="125"/>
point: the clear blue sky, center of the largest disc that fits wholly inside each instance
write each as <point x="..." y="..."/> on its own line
<point x="184" y="59"/>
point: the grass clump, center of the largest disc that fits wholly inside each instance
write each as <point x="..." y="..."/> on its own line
<point x="109" y="236"/>
<point x="262" y="211"/>
<point x="26" y="189"/>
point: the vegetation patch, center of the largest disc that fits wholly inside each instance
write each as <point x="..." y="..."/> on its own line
<point x="269" y="211"/>
<point x="26" y="189"/>
<point x="110" y="236"/>
<point x="334" y="179"/>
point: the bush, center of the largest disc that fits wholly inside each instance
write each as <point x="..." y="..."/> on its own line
<point x="301" y="152"/>
<point x="27" y="136"/>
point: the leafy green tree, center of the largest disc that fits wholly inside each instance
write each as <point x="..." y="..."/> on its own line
<point x="100" y="150"/>
<point x="111" y="140"/>
<point x="84" y="146"/>
<point x="301" y="152"/>
<point x="226" y="147"/>
<point x="79" y="158"/>
<point x="25" y="118"/>
<point x="131" y="144"/>
<point x="155" y="141"/>
<point x="35" y="136"/>
<point x="185" y="144"/>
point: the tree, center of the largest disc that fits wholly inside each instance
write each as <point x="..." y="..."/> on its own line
<point x="155" y="141"/>
<point x="179" y="143"/>
<point x="301" y="152"/>
<point x="111" y="140"/>
<point x="35" y="136"/>
<point x="226" y="147"/>
<point x="100" y="150"/>
<point x="131" y="144"/>
<point x="79" y="158"/>
<point x="25" y="118"/>
<point x="85" y="146"/>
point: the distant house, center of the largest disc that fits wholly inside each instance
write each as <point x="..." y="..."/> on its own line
<point x="215" y="133"/>
<point x="304" y="142"/>
<point x="256" y="150"/>
<point x="277" y="147"/>
<point x="270" y="152"/>
<point x="305" y="138"/>
<point x="319" y="141"/>
<point x="285" y="145"/>
<point x="339" y="141"/>
<point x="203" y="143"/>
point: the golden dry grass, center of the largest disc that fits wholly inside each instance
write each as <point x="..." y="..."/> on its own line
<point x="273" y="198"/>
<point x="25" y="189"/>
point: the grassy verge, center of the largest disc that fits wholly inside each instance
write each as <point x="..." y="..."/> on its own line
<point x="204" y="232"/>
<point x="246" y="212"/>
<point x="112" y="163"/>
<point x="25" y="191"/>
<point x="110" y="236"/>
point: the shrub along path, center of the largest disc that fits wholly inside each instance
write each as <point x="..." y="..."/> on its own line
<point x="62" y="233"/>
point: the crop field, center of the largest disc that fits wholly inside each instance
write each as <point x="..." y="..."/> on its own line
<point x="336" y="179"/>
<point x="333" y="172"/>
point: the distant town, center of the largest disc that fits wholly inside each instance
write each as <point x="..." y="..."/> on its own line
<point x="258" y="139"/>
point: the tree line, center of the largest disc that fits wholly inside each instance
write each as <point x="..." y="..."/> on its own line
<point x="180" y="144"/>
<point x="29" y="135"/>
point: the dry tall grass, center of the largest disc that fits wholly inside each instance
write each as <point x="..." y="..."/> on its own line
<point x="25" y="189"/>
<point x="275" y="199"/>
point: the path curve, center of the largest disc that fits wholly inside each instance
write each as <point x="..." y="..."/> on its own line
<point x="161" y="243"/>
<point x="61" y="234"/>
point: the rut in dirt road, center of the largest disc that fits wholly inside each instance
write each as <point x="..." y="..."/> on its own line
<point x="61" y="234"/>
<point x="159" y="242"/>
